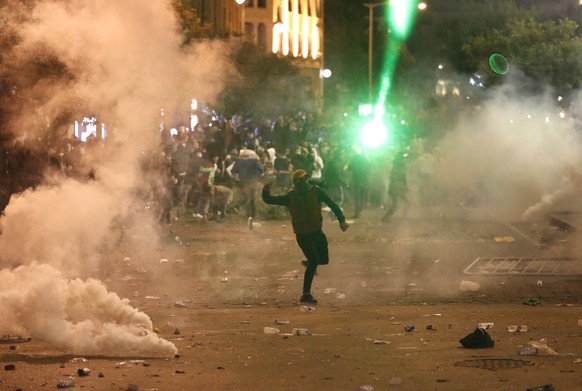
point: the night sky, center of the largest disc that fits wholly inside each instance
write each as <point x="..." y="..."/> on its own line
<point x="346" y="47"/>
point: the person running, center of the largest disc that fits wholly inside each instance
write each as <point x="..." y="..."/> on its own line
<point x="304" y="204"/>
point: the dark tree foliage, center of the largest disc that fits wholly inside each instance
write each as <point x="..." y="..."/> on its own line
<point x="189" y="21"/>
<point x="25" y="82"/>
<point x="268" y="85"/>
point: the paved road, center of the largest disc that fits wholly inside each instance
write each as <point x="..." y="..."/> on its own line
<point x="420" y="258"/>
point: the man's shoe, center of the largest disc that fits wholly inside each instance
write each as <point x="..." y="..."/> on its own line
<point x="307" y="298"/>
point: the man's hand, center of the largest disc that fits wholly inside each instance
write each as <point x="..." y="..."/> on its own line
<point x="344" y="226"/>
<point x="267" y="186"/>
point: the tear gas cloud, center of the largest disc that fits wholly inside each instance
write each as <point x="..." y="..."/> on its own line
<point x="511" y="151"/>
<point x="126" y="64"/>
<point x="81" y="316"/>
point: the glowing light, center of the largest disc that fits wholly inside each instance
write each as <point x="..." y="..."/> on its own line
<point x="422" y="6"/>
<point x="240" y="2"/>
<point x="560" y="98"/>
<point x="305" y="42"/>
<point x="401" y="15"/>
<point x="295" y="23"/>
<point x="285" y="32"/>
<point x="374" y="134"/>
<point x="325" y="73"/>
<point x="440" y="66"/>
<point x="314" y="39"/>
<point x="499" y="64"/>
<point x="562" y="115"/>
<point x="365" y="109"/>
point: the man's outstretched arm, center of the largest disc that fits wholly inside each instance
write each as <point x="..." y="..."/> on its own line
<point x="282" y="200"/>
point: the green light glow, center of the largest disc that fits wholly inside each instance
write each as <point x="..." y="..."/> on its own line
<point x="374" y="134"/>
<point x="400" y="16"/>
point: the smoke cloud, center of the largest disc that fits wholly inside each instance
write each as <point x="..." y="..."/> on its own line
<point x="125" y="63"/>
<point x="81" y="316"/>
<point x="510" y="151"/>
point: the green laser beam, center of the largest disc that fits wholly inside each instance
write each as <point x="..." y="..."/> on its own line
<point x="400" y="17"/>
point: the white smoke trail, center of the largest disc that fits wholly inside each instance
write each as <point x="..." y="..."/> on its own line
<point x="547" y="203"/>
<point x="81" y="316"/>
<point x="126" y="63"/>
<point x="511" y="151"/>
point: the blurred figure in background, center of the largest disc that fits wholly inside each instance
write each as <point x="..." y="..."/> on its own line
<point x="249" y="170"/>
<point x="398" y="186"/>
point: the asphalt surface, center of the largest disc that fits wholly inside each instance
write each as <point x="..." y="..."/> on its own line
<point x="212" y="289"/>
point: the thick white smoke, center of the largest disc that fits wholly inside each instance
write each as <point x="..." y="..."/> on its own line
<point x="81" y="316"/>
<point x="511" y="151"/>
<point x="126" y="63"/>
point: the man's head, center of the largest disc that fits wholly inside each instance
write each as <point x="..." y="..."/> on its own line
<point x="298" y="174"/>
<point x="300" y="180"/>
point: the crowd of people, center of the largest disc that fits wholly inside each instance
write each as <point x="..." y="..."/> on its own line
<point x="216" y="170"/>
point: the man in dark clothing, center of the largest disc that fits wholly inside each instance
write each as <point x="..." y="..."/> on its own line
<point x="304" y="204"/>
<point x="282" y="167"/>
<point x="334" y="178"/>
<point x="398" y="186"/>
<point x="360" y="168"/>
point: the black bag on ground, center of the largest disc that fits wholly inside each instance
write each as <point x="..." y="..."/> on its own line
<point x="478" y="339"/>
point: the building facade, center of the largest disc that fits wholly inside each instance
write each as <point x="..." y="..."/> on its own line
<point x="289" y="28"/>
<point x="224" y="18"/>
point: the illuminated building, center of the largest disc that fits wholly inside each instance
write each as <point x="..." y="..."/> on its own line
<point x="290" y="28"/>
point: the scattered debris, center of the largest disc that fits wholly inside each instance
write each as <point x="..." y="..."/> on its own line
<point x="469" y="286"/>
<point x="270" y="330"/>
<point x="504" y="239"/>
<point x="520" y="328"/>
<point x="545" y="387"/>
<point x="542" y="347"/>
<point x="300" y="331"/>
<point x="532" y="301"/>
<point x="67" y="383"/>
<point x="478" y="339"/>
<point x="307" y="308"/>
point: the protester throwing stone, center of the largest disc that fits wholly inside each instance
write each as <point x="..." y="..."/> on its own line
<point x="304" y="204"/>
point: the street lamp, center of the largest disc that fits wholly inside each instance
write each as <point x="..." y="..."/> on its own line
<point x="371" y="8"/>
